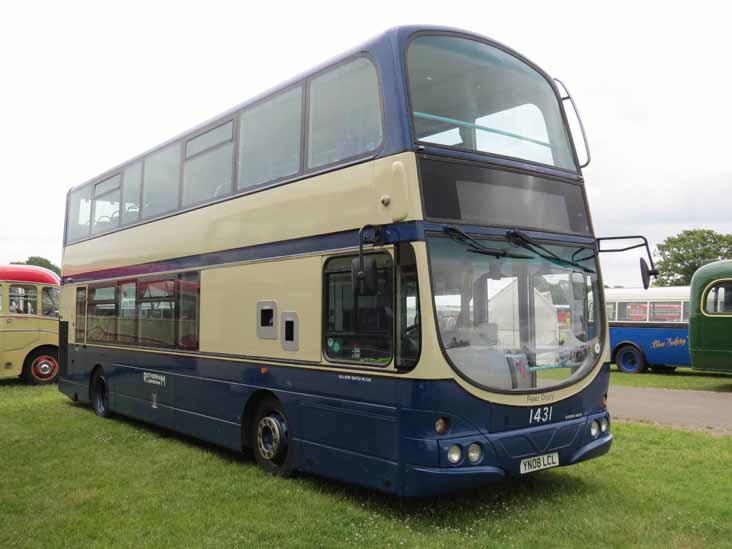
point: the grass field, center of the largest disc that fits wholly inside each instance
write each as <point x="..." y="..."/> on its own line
<point x="70" y="479"/>
<point x="682" y="378"/>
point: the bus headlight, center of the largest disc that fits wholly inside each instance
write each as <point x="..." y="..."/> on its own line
<point x="604" y="425"/>
<point x="475" y="452"/>
<point x="454" y="454"/>
<point x="595" y="429"/>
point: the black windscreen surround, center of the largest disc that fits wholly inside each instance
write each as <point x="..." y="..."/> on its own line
<point x="484" y="196"/>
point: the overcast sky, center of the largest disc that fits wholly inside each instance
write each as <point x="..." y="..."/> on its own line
<point x="85" y="86"/>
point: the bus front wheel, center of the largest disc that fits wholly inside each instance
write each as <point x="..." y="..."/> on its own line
<point x="630" y="360"/>
<point x="271" y="439"/>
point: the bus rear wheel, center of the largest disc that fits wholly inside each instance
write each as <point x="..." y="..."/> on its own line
<point x="41" y="367"/>
<point x="271" y="440"/>
<point x="100" y="394"/>
<point x="630" y="360"/>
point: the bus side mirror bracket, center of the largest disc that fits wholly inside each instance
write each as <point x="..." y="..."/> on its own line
<point x="646" y="271"/>
<point x="363" y="268"/>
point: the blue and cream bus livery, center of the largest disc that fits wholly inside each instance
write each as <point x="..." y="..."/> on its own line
<point x="383" y="271"/>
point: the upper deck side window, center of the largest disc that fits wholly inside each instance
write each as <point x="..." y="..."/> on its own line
<point x="469" y="95"/>
<point x="266" y="143"/>
<point x="106" y="208"/>
<point x="208" y="170"/>
<point x="345" y="113"/>
<point x="270" y="139"/>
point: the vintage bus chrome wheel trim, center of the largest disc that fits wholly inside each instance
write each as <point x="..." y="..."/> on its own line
<point x="44" y="368"/>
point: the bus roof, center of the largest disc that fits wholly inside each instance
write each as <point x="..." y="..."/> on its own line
<point x="29" y="273"/>
<point x="711" y="271"/>
<point x="670" y="293"/>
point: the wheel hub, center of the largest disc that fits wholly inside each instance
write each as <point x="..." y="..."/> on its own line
<point x="271" y="435"/>
<point x="44" y="367"/>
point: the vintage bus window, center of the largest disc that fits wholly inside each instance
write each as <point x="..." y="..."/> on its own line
<point x="157" y="313"/>
<point x="497" y="103"/>
<point x="188" y="295"/>
<point x="49" y="301"/>
<point x="80" y="315"/>
<point x="610" y="308"/>
<point x="358" y="327"/>
<point x="78" y="215"/>
<point x="269" y="139"/>
<point x="345" y="113"/>
<point x="23" y="300"/>
<point x="131" y="193"/>
<point x="719" y="299"/>
<point x="632" y="312"/>
<point x="106" y="205"/>
<point x="127" y="318"/>
<point x="208" y="175"/>
<point x="685" y="313"/>
<point x="102" y="314"/>
<point x="665" y="311"/>
<point x="161" y="182"/>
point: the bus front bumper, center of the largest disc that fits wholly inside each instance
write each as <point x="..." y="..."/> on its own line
<point x="430" y="481"/>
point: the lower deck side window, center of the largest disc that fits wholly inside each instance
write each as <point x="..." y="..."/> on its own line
<point x="160" y="312"/>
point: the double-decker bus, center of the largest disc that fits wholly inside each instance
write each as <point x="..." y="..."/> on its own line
<point x="648" y="328"/>
<point x="710" y="322"/>
<point x="383" y="271"/>
<point x="29" y="309"/>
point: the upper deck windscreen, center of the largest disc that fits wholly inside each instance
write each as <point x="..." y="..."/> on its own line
<point x="469" y="95"/>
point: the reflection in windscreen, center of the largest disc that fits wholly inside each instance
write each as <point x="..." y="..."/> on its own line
<point x="514" y="323"/>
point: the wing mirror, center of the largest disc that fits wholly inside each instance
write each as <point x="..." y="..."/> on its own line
<point x="647" y="272"/>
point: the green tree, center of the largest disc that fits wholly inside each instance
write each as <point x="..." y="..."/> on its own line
<point x="40" y="262"/>
<point x="682" y="254"/>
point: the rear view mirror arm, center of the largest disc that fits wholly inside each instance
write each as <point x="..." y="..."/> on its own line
<point x="646" y="272"/>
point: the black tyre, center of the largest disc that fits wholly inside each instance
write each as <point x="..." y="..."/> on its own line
<point x="41" y="366"/>
<point x="630" y="359"/>
<point x="270" y="438"/>
<point x="100" y="394"/>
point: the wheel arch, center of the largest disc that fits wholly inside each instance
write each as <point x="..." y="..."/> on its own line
<point x="30" y="353"/>
<point x="621" y="344"/>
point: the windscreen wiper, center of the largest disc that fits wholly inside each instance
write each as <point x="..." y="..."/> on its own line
<point x="477" y="247"/>
<point x="520" y="238"/>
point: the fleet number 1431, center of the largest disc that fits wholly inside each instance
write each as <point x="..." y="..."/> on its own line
<point x="540" y="415"/>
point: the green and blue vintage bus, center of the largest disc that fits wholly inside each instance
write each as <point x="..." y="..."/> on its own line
<point x="383" y="271"/>
<point x="710" y="320"/>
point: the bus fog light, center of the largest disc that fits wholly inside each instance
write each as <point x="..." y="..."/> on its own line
<point x="604" y="425"/>
<point x="595" y="429"/>
<point x="475" y="452"/>
<point x="454" y="454"/>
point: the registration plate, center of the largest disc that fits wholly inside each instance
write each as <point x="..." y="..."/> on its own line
<point x="537" y="463"/>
